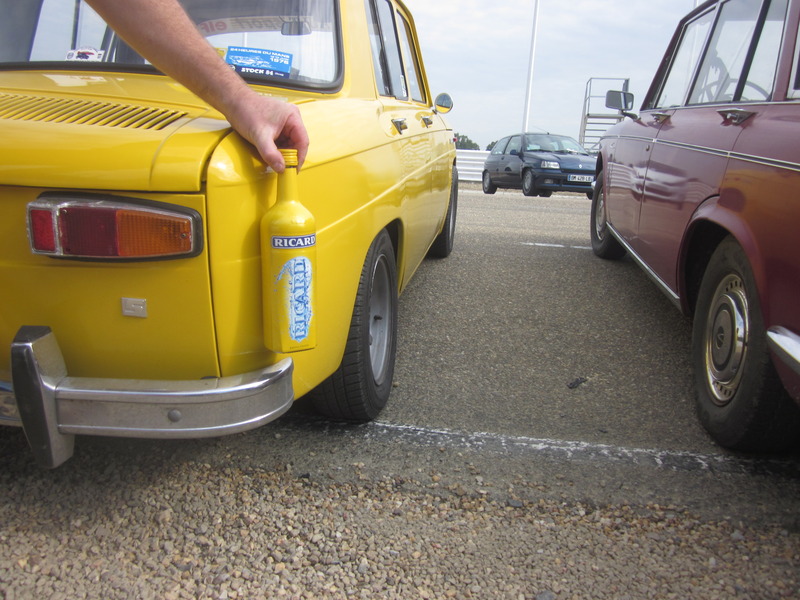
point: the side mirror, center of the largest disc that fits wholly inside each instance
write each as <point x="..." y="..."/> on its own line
<point x="621" y="101"/>
<point x="443" y="104"/>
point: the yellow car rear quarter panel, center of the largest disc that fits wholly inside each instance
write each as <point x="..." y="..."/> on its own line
<point x="240" y="192"/>
<point x="353" y="184"/>
<point x="82" y="302"/>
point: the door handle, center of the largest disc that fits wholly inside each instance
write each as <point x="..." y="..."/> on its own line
<point x="400" y="125"/>
<point x="735" y="116"/>
<point x="660" y="117"/>
<point x="428" y="121"/>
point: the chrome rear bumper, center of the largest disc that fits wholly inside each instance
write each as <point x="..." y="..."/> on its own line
<point x="53" y="407"/>
<point x="786" y="345"/>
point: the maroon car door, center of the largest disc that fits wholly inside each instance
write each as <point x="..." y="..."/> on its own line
<point x="687" y="164"/>
<point x="630" y="154"/>
<point x="690" y="156"/>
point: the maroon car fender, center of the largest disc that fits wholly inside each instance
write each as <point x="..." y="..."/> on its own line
<point x="724" y="215"/>
<point x="722" y="212"/>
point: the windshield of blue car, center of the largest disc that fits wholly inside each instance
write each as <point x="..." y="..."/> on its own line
<point x="285" y="42"/>
<point x="557" y="144"/>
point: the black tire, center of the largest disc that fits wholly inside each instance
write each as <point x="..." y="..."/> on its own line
<point x="545" y="193"/>
<point x="604" y="244"/>
<point x="739" y="398"/>
<point x="528" y="183"/>
<point x="359" y="388"/>
<point x="443" y="244"/>
<point x="488" y="186"/>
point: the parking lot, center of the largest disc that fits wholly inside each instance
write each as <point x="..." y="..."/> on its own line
<point x="540" y="442"/>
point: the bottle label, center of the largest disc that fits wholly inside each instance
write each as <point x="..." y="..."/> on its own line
<point x="297" y="275"/>
<point x="293" y="241"/>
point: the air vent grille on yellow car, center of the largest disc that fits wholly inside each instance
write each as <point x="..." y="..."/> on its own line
<point x="84" y="112"/>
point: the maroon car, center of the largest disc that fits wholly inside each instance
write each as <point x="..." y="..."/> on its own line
<point x="702" y="190"/>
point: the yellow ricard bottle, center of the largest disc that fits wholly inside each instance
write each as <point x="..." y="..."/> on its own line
<point x="289" y="262"/>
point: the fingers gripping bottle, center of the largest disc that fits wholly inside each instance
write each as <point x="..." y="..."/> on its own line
<point x="288" y="262"/>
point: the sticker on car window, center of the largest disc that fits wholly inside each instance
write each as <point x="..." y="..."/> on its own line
<point x="88" y="54"/>
<point x="253" y="61"/>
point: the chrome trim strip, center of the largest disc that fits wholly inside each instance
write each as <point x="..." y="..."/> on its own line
<point x="786" y="345"/>
<point x="769" y="162"/>
<point x="694" y="148"/>
<point x="638" y="138"/>
<point x="646" y="268"/>
<point x="54" y="407"/>
<point x="759" y="160"/>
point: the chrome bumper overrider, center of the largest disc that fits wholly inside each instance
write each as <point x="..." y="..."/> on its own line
<point x="786" y="345"/>
<point x="53" y="407"/>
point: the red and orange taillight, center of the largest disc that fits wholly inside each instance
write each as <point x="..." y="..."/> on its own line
<point x="112" y="228"/>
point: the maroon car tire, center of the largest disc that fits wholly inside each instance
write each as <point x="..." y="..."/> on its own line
<point x="604" y="244"/>
<point x="739" y="398"/>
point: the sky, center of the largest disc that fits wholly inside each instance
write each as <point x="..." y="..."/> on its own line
<point x="479" y="52"/>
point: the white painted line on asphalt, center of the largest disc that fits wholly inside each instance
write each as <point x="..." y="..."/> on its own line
<point x="575" y="450"/>
<point x="544" y="245"/>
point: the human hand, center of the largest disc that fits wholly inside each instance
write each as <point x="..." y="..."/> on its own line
<point x="269" y="123"/>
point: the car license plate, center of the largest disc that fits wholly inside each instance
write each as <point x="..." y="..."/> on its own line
<point x="580" y="178"/>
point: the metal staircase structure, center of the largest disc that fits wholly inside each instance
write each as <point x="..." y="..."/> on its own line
<point x="596" y="117"/>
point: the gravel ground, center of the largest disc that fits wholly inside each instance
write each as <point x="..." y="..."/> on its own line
<point x="97" y="528"/>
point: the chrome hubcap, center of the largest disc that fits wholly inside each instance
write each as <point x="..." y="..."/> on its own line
<point x="727" y="332"/>
<point x="380" y="319"/>
<point x="600" y="217"/>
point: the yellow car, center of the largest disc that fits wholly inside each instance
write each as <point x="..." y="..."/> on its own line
<point x="134" y="266"/>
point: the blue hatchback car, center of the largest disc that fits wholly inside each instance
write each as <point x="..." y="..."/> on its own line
<point x="540" y="164"/>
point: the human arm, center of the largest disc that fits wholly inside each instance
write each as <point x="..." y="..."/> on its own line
<point x="162" y="32"/>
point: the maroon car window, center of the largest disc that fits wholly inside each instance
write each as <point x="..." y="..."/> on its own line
<point x="761" y="74"/>
<point x="724" y="60"/>
<point x="676" y="84"/>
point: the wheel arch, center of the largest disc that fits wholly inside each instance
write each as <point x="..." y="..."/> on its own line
<point x="711" y="224"/>
<point x="599" y="165"/>
<point x="599" y="170"/>
<point x="395" y="230"/>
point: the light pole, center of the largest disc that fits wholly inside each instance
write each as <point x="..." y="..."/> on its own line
<point x="530" y="66"/>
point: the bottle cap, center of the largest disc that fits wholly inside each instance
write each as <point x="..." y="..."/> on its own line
<point x="289" y="156"/>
